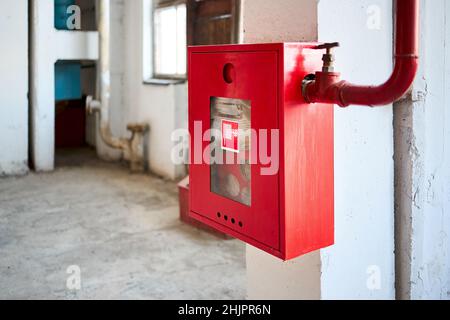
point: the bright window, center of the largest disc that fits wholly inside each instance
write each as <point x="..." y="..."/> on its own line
<point x="170" y="41"/>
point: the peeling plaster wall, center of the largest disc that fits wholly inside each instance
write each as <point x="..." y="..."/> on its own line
<point x="429" y="150"/>
<point x="404" y="151"/>
<point x="14" y="87"/>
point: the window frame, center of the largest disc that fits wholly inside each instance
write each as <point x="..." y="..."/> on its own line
<point x="193" y="17"/>
<point x="161" y="5"/>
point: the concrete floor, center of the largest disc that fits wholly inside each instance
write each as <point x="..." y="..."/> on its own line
<point x="122" y="231"/>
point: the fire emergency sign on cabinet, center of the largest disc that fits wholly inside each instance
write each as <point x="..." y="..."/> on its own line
<point x="262" y="159"/>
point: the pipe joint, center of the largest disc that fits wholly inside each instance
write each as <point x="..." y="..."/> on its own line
<point x="92" y="105"/>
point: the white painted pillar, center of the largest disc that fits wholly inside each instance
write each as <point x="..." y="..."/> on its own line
<point x="361" y="264"/>
<point x="268" y="277"/>
<point x="42" y="86"/>
<point x="279" y="21"/>
<point x="47" y="46"/>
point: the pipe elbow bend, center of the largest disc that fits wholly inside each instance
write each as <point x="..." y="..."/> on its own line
<point x="392" y="90"/>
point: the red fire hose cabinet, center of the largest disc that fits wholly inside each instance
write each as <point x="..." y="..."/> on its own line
<point x="261" y="158"/>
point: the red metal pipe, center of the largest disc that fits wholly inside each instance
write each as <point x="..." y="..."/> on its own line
<point x="327" y="88"/>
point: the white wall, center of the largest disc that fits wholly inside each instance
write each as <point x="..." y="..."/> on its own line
<point x="164" y="108"/>
<point x="364" y="167"/>
<point x="430" y="155"/>
<point x="364" y="158"/>
<point x="14" y="87"/>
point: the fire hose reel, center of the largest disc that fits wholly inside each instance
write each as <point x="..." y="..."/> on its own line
<point x="239" y="95"/>
<point x="261" y="157"/>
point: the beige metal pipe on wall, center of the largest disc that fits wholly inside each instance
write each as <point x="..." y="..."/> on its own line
<point x="132" y="147"/>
